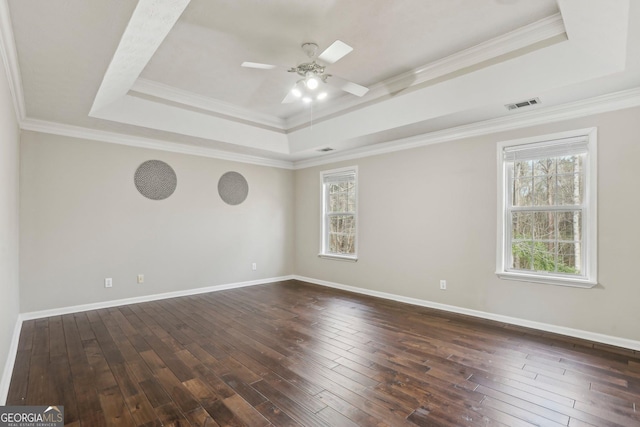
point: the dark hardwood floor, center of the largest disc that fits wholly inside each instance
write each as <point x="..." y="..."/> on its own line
<point x="297" y="354"/>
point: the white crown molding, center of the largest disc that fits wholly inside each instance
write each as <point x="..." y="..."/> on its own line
<point x="149" y="143"/>
<point x="596" y="105"/>
<point x="169" y="93"/>
<point x="5" y="382"/>
<point x="10" y="60"/>
<point x="520" y="38"/>
<point x="547" y="327"/>
<point x="600" y="104"/>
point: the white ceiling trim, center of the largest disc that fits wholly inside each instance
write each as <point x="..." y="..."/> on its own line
<point x="149" y="143"/>
<point x="596" y="105"/>
<point x="149" y="25"/>
<point x="520" y="38"/>
<point x="10" y="60"/>
<point x="151" y="114"/>
<point x="600" y="104"/>
<point x="170" y="93"/>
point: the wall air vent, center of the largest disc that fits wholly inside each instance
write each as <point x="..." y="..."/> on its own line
<point x="522" y="104"/>
<point x="324" y="150"/>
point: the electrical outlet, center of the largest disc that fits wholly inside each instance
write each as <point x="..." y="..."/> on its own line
<point x="254" y="266"/>
<point x="140" y="278"/>
<point x="108" y="282"/>
<point x="443" y="285"/>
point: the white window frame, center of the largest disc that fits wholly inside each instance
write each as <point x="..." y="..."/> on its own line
<point x="324" y="228"/>
<point x="590" y="220"/>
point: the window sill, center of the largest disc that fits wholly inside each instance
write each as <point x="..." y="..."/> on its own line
<point x="349" y="258"/>
<point x="551" y="280"/>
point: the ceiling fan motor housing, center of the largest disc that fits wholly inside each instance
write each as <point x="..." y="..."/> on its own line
<point x="309" y="67"/>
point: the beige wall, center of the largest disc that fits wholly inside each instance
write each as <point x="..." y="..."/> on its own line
<point x="83" y="220"/>
<point x="430" y="213"/>
<point x="425" y="214"/>
<point x="9" y="203"/>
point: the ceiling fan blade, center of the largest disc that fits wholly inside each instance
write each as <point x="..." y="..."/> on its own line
<point x="335" y="52"/>
<point x="347" y="86"/>
<point x="258" y="65"/>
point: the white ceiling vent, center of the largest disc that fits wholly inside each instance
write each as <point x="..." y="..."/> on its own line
<point x="522" y="104"/>
<point x="326" y="149"/>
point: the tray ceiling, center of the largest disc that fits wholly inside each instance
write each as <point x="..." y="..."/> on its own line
<point x="170" y="70"/>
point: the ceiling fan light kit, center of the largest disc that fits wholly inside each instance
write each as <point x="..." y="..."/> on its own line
<point x="311" y="82"/>
<point x="314" y="73"/>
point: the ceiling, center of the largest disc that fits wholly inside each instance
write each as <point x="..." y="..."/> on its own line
<point x="166" y="73"/>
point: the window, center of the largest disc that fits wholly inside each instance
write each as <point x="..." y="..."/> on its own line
<point x="339" y="213"/>
<point x="547" y="212"/>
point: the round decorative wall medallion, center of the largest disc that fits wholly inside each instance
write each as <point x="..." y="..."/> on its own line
<point x="233" y="188"/>
<point x="155" y="180"/>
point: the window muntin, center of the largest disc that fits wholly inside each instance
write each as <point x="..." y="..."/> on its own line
<point x="548" y="223"/>
<point x="339" y="213"/>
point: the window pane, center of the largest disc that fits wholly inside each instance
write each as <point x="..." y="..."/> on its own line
<point x="543" y="190"/>
<point x="342" y="234"/>
<point x="544" y="256"/>
<point x="523" y="192"/>
<point x="569" y="190"/>
<point x="544" y="167"/>
<point x="342" y="198"/>
<point x="569" y="258"/>
<point x="341" y="244"/>
<point x="522" y="225"/>
<point x="341" y="224"/>
<point x="342" y="202"/>
<point x="544" y="225"/>
<point x="569" y="225"/>
<point x="522" y="255"/>
<point x="569" y="164"/>
<point x="523" y="169"/>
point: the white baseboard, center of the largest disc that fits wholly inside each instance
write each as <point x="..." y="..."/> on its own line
<point x="562" y="330"/>
<point x="11" y="360"/>
<point x="145" y="298"/>
<point x="13" y="349"/>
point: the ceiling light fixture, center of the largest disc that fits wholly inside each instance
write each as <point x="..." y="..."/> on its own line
<point x="312" y="73"/>
<point x="311" y="81"/>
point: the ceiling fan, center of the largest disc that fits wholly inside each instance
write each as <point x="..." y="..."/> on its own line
<point x="313" y="73"/>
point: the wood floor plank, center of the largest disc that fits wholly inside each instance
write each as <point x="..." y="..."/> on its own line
<point x="295" y="354"/>
<point x="355" y="414"/>
<point x="17" y="394"/>
<point x="293" y="409"/>
<point x="26" y="335"/>
<point x="276" y="415"/>
<point x="115" y="410"/>
<point x="245" y="411"/>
